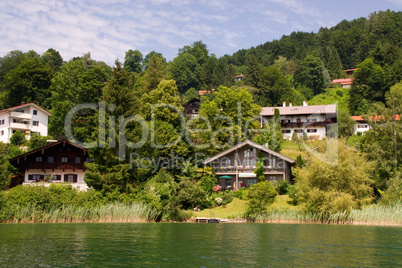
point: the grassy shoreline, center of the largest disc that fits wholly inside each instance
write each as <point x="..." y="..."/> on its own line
<point x="279" y="212"/>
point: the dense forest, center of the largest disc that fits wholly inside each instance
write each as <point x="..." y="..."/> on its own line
<point x="295" y="68"/>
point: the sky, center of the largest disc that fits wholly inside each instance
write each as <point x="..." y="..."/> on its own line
<point x="109" y="28"/>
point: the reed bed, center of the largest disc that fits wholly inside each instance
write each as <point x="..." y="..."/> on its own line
<point x="117" y="212"/>
<point x="370" y="215"/>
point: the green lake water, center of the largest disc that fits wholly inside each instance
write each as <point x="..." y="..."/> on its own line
<point x="198" y="245"/>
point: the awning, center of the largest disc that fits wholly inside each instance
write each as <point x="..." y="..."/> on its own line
<point x="225" y="177"/>
<point x="247" y="175"/>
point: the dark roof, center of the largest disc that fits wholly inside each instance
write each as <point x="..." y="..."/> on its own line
<point x="46" y="147"/>
<point x="252" y="144"/>
<point x="191" y="101"/>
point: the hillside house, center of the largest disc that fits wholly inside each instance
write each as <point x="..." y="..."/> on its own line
<point x="235" y="166"/>
<point x="29" y="118"/>
<point x="314" y="120"/>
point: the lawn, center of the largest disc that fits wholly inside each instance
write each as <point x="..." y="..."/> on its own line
<point x="238" y="206"/>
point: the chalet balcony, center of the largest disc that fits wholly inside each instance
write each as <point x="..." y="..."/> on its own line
<point x="247" y="169"/>
<point x="300" y="124"/>
<point x="53" y="166"/>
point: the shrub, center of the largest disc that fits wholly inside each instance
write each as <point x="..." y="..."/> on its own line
<point x="282" y="187"/>
<point x="190" y="194"/>
<point x="260" y="195"/>
<point x="207" y="183"/>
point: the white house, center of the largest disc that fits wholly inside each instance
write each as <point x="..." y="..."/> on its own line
<point x="361" y="125"/>
<point x="28" y="118"/>
<point x="314" y="120"/>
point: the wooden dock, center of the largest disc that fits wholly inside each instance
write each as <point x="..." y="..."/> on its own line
<point x="207" y="220"/>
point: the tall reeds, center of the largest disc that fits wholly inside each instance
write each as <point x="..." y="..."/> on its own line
<point x="117" y="212"/>
<point x="370" y="215"/>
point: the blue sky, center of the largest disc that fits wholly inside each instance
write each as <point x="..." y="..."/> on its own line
<point x="108" y="28"/>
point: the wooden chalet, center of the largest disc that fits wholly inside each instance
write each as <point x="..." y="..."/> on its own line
<point x="59" y="162"/>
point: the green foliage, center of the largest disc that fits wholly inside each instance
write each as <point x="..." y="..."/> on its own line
<point x="300" y="161"/>
<point x="345" y="124"/>
<point x="383" y="143"/>
<point x="328" y="188"/>
<point x="72" y="85"/>
<point x="190" y="194"/>
<point x="5" y="174"/>
<point x="274" y="88"/>
<point x="18" y="138"/>
<point x="260" y="196"/>
<point x="133" y="61"/>
<point x="52" y="59"/>
<point x="226" y="120"/>
<point x="282" y="187"/>
<point x="29" y="82"/>
<point x="185" y="71"/>
<point x="207" y="183"/>
<point x="299" y="139"/>
<point x="259" y="170"/>
<point x="271" y="134"/>
<point x="368" y="85"/>
<point x="37" y="141"/>
<point x="160" y="192"/>
<point x="310" y="73"/>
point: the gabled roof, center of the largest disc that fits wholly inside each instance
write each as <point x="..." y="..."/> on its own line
<point x="252" y="144"/>
<point x="191" y="101"/>
<point x="298" y="110"/>
<point x="46" y="147"/>
<point x="25" y="105"/>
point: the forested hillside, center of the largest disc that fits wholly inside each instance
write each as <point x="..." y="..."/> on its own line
<point x="160" y="167"/>
<point x="295" y="68"/>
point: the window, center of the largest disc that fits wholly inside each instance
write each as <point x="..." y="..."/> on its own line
<point x="35" y="112"/>
<point x="2" y="133"/>
<point x="2" y="122"/>
<point x="286" y="131"/>
<point x="298" y="120"/>
<point x="89" y="160"/>
<point x="228" y="183"/>
<point x="38" y="159"/>
<point x="250" y="182"/>
<point x="36" y="177"/>
<point x="299" y="130"/>
<point x="311" y="130"/>
<point x="19" y="111"/>
<point x="225" y="162"/>
<point x="362" y="126"/>
<point x="78" y="160"/>
<point x="64" y="159"/>
<point x="55" y="177"/>
<point x="70" y="178"/>
<point x="50" y="159"/>
<point x="35" y="123"/>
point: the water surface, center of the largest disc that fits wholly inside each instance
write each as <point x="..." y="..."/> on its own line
<point x="198" y="245"/>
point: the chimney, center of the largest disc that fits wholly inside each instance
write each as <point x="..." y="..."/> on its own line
<point x="290" y="104"/>
<point x="305" y="103"/>
<point x="284" y="104"/>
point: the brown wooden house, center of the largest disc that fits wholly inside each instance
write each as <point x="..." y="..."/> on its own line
<point x="58" y="162"/>
<point x="235" y="166"/>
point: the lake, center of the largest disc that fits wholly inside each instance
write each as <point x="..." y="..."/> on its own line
<point x="198" y="245"/>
